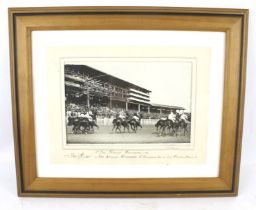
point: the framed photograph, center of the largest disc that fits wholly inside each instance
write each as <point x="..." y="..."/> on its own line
<point x="127" y="101"/>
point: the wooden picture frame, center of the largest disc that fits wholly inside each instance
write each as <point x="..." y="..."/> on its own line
<point x="23" y="21"/>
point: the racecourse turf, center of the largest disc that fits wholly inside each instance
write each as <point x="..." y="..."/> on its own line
<point x="105" y="135"/>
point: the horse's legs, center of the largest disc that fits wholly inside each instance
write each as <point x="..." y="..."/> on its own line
<point x="185" y="130"/>
<point x="92" y="129"/>
<point x="161" y="130"/>
<point x="134" y="128"/>
<point x="158" y="129"/>
<point x="173" y="131"/>
<point x="74" y="129"/>
<point x="94" y="124"/>
<point x="138" y="125"/>
<point x="127" y="127"/>
<point x="87" y="128"/>
<point x="169" y="130"/>
<point x="119" y="128"/>
<point x="164" y="130"/>
<point x="179" y="131"/>
<point x="82" y="130"/>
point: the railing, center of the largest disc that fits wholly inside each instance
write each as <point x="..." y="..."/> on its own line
<point x="149" y="121"/>
<point x="108" y="121"/>
<point x="105" y="121"/>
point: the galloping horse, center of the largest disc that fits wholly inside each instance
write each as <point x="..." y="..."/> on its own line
<point x="172" y="127"/>
<point x="92" y="125"/>
<point x="181" y="125"/>
<point x="75" y="122"/>
<point x="117" y="123"/>
<point x="81" y="124"/>
<point x="160" y="125"/>
<point x="134" y="125"/>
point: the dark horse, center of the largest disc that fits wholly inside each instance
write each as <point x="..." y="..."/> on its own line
<point x="163" y="125"/>
<point x="82" y="124"/>
<point x="134" y="125"/>
<point x="118" y="123"/>
<point x="181" y="125"/>
<point x="174" y="128"/>
<point x="160" y="125"/>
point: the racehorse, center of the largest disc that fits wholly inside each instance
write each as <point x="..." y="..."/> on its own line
<point x="160" y="125"/>
<point x="75" y="122"/>
<point x="134" y="124"/>
<point x="81" y="124"/>
<point x="181" y="125"/>
<point x="173" y="127"/>
<point x="93" y="124"/>
<point x="118" y="123"/>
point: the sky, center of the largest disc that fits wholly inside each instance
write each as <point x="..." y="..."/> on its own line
<point x="169" y="81"/>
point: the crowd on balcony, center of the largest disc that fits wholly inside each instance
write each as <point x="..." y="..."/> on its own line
<point x="95" y="86"/>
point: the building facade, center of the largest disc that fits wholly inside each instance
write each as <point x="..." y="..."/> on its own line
<point x="91" y="87"/>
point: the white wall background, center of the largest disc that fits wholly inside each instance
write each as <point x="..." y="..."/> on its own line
<point x="247" y="193"/>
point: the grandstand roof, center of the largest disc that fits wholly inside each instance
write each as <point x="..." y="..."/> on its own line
<point x="104" y="77"/>
<point x="167" y="106"/>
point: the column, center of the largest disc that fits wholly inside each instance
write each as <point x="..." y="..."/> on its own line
<point x="110" y="101"/>
<point x="88" y="98"/>
<point x="126" y="105"/>
<point x="138" y="107"/>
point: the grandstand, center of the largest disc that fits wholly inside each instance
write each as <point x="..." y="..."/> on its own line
<point x="89" y="87"/>
<point x="164" y="109"/>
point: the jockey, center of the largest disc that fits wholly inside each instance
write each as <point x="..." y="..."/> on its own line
<point x="78" y="113"/>
<point x="82" y="115"/>
<point x="163" y="118"/>
<point x="122" y="115"/>
<point x="88" y="116"/>
<point x="172" y="116"/>
<point x="135" y="117"/>
<point x="184" y="117"/>
<point x="74" y="114"/>
<point x="69" y="113"/>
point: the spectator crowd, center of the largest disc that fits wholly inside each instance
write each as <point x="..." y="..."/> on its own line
<point x="102" y="112"/>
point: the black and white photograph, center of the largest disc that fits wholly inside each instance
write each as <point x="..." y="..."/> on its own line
<point x="134" y="101"/>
